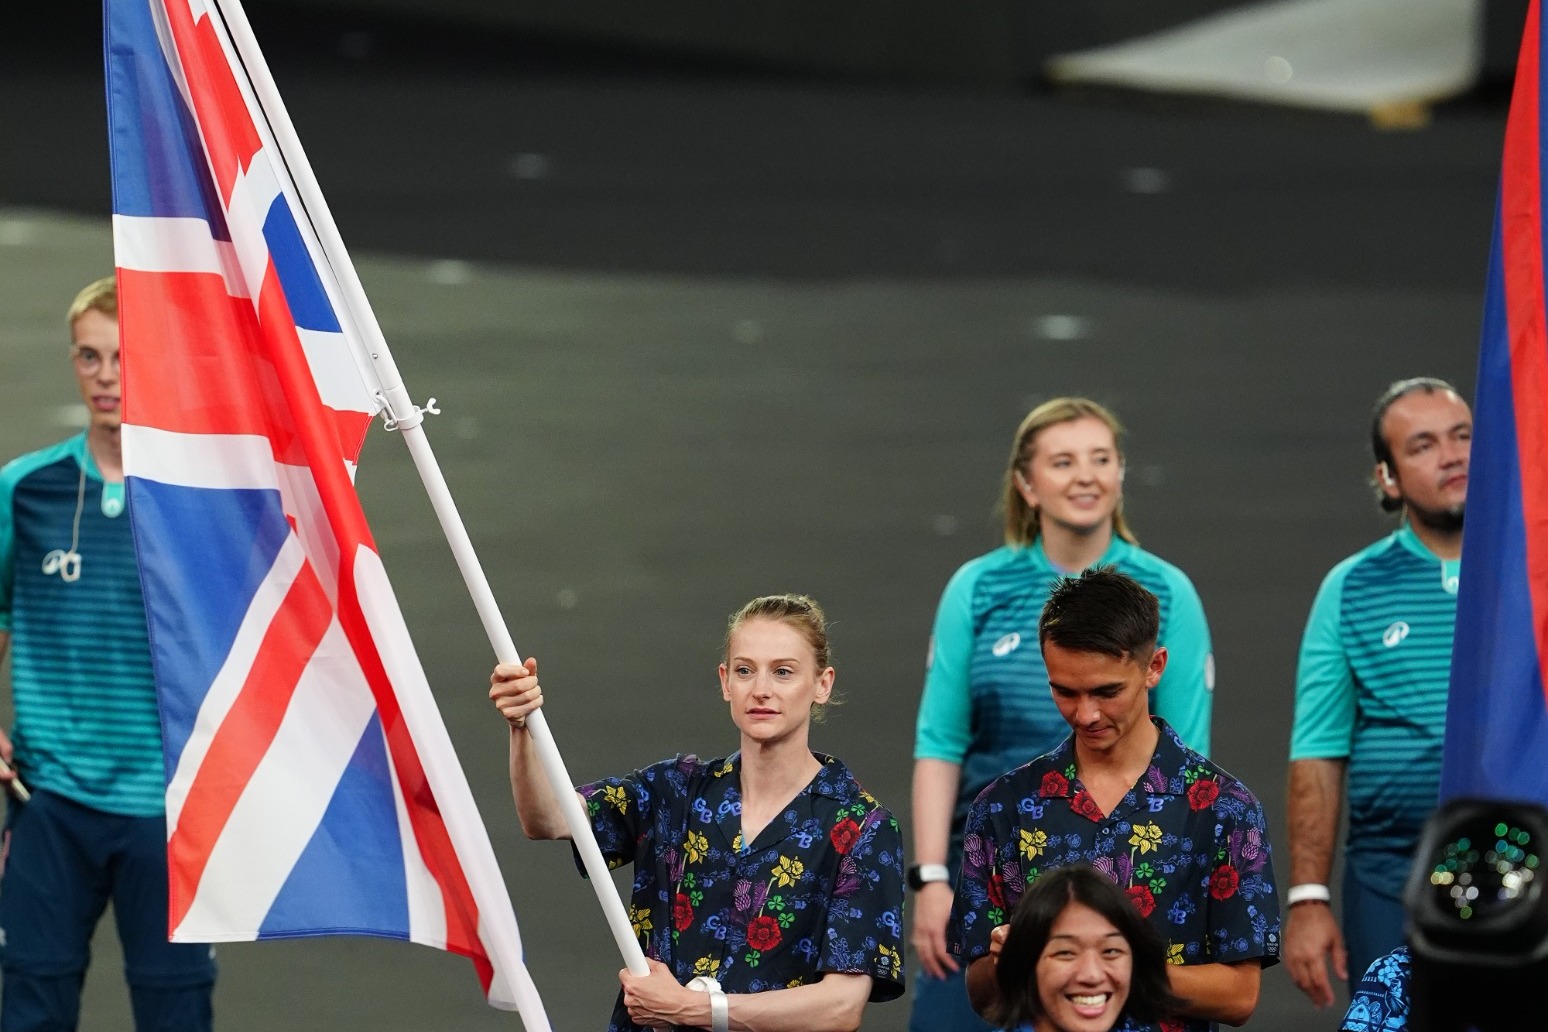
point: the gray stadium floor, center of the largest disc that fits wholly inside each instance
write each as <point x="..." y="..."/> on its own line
<point x="700" y="336"/>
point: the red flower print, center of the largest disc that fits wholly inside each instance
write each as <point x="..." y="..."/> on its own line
<point x="763" y="933"/>
<point x="1223" y="883"/>
<point x="1203" y="792"/>
<point x="844" y="835"/>
<point x="997" y="889"/>
<point x="682" y="912"/>
<point x="1084" y="805"/>
<point x="1171" y="1025"/>
<point x="1054" y="784"/>
<point x="1143" y="899"/>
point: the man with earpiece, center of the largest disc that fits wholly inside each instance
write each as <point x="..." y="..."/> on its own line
<point x="1370" y="703"/>
<point x="86" y="817"/>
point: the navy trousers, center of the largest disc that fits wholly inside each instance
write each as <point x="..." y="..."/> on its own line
<point x="63" y="864"/>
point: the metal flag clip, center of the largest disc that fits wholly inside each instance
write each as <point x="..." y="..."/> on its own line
<point x="390" y="424"/>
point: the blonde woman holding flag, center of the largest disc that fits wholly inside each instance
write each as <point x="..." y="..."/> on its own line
<point x="768" y="888"/>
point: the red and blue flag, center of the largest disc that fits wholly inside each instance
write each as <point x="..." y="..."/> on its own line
<point x="1497" y="716"/>
<point x="311" y="785"/>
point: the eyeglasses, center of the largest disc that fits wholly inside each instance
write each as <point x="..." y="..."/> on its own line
<point x="89" y="360"/>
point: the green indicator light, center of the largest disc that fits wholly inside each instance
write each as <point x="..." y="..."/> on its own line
<point x="1499" y="829"/>
<point x="1465" y="913"/>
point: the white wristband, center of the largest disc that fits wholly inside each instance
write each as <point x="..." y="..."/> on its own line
<point x="1308" y="893"/>
<point x="720" y="1007"/>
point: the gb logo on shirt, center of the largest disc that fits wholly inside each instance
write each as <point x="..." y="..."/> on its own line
<point x="1394" y="635"/>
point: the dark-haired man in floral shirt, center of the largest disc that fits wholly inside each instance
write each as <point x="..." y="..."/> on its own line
<point x="1125" y="794"/>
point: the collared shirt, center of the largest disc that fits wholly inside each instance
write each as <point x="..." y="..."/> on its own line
<point x="1371" y="687"/>
<point x="1187" y="843"/>
<point x="1380" y="1002"/>
<point x="819" y="890"/>
<point x="87" y="726"/>
<point x="986" y="703"/>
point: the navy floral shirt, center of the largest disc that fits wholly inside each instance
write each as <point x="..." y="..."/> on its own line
<point x="820" y="889"/>
<point x="1187" y="843"/>
<point x="1380" y="1002"/>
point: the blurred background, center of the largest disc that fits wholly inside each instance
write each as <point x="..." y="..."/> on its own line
<point x="723" y="300"/>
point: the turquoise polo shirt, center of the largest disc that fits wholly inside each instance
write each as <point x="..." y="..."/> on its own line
<point x="87" y="725"/>
<point x="1371" y="688"/>
<point x="987" y="705"/>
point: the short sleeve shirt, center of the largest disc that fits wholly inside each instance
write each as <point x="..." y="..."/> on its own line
<point x="819" y="890"/>
<point x="1371" y="687"/>
<point x="1187" y="843"/>
<point x="986" y="704"/>
<point x="1380" y="1002"/>
<point x="87" y="724"/>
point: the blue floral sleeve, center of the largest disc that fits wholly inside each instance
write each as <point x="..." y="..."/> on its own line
<point x="977" y="908"/>
<point x="1380" y="1002"/>
<point x="865" y="912"/>
<point x="1243" y="904"/>
<point x="620" y="810"/>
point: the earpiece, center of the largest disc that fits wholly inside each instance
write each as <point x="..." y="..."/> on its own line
<point x="1123" y="471"/>
<point x="1386" y="473"/>
<point x="66" y="564"/>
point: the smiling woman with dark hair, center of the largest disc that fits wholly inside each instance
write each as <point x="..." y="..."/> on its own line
<point x="1077" y="957"/>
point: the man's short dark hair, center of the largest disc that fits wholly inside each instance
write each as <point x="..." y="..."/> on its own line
<point x="1150" y="996"/>
<point x="1101" y="611"/>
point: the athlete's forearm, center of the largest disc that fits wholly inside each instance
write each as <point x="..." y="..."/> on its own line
<point x="536" y="805"/>
<point x="1218" y="992"/>
<point x="835" y="1003"/>
<point x="935" y="797"/>
<point x="1316" y="798"/>
<point x="982" y="989"/>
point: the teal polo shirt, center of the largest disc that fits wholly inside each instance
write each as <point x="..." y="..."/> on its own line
<point x="987" y="705"/>
<point x="1371" y="688"/>
<point x="87" y="725"/>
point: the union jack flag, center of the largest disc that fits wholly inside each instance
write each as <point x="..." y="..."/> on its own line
<point x="311" y="786"/>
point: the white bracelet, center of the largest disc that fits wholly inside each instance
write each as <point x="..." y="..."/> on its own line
<point x="1308" y="893"/>
<point x="720" y="1012"/>
<point x="920" y="875"/>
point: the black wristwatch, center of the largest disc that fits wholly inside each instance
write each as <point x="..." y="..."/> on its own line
<point x="920" y="875"/>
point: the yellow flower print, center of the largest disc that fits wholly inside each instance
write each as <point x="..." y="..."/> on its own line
<point x="736" y="843"/>
<point x="695" y="845"/>
<point x="889" y="958"/>
<point x="1033" y="842"/>
<point x="640" y="918"/>
<point x="788" y="871"/>
<point x="1174" y="953"/>
<point x="615" y="795"/>
<point x="1146" y="837"/>
<point x="707" y="966"/>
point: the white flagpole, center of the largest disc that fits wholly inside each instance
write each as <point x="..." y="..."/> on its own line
<point x="408" y="418"/>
